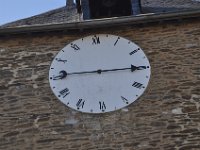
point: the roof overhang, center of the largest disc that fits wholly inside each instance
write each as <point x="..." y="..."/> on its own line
<point x="102" y="23"/>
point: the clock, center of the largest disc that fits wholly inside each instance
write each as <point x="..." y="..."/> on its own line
<point x="99" y="73"/>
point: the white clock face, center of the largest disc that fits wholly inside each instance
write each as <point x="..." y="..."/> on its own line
<point x="99" y="73"/>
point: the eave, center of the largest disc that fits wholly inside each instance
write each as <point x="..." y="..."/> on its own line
<point x="102" y="23"/>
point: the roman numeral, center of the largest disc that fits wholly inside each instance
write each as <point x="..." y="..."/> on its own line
<point x="124" y="100"/>
<point x="75" y="47"/>
<point x="64" y="93"/>
<point x="117" y="41"/>
<point x="138" y="85"/>
<point x="95" y="40"/>
<point x="102" y="106"/>
<point x="135" y="51"/>
<point x="80" y="103"/>
<point x="60" y="60"/>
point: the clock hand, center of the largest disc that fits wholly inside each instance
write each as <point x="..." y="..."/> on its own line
<point x="132" y="68"/>
<point x="99" y="71"/>
<point x="62" y="74"/>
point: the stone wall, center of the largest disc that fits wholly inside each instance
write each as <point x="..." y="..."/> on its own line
<point x="166" y="116"/>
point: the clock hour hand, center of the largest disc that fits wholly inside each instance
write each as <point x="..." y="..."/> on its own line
<point x="62" y="75"/>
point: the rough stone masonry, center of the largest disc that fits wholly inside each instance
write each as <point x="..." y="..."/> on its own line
<point x="165" y="117"/>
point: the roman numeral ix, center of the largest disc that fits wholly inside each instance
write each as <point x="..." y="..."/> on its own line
<point x="61" y="60"/>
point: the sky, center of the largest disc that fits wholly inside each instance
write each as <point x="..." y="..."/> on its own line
<point x="12" y="10"/>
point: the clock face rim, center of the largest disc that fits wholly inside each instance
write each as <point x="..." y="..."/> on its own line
<point x="99" y="35"/>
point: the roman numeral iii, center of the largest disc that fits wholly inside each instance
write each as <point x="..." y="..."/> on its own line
<point x="138" y="85"/>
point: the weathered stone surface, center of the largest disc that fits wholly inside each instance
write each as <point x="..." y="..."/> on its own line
<point x="166" y="116"/>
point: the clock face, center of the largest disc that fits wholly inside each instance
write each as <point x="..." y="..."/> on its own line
<point x="99" y="73"/>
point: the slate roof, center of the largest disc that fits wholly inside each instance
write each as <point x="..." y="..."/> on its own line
<point x="69" y="13"/>
<point x="159" y="6"/>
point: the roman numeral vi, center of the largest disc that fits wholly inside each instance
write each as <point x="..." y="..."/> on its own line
<point x="80" y="103"/>
<point x="102" y="106"/>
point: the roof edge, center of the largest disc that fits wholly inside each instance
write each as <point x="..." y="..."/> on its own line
<point x="99" y="23"/>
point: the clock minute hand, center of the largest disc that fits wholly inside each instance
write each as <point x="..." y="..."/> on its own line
<point x="99" y="71"/>
<point x="132" y="68"/>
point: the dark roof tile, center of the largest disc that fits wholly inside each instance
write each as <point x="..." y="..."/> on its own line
<point x="69" y="14"/>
